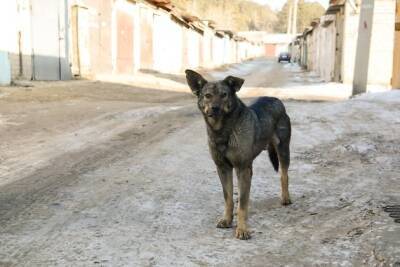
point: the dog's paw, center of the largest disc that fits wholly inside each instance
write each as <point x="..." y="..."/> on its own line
<point x="224" y="223"/>
<point x="286" y="201"/>
<point x="242" y="234"/>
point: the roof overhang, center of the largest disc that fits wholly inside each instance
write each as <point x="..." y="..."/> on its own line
<point x="327" y="20"/>
<point x="178" y="18"/>
<point x="334" y="9"/>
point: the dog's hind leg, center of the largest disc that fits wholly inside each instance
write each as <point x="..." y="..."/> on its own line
<point x="244" y="183"/>
<point x="283" y="132"/>
<point x="284" y="161"/>
<point x="226" y="177"/>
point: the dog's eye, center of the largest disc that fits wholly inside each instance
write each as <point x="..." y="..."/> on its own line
<point x="208" y="95"/>
<point x="223" y="95"/>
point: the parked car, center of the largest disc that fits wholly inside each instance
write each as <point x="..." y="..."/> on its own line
<point x="284" y="56"/>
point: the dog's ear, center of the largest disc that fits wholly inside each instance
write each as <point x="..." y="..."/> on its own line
<point x="234" y="83"/>
<point x="195" y="81"/>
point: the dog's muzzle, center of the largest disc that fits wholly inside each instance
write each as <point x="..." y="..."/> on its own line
<point x="214" y="112"/>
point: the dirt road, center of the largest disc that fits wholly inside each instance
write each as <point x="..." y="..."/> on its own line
<point x="103" y="174"/>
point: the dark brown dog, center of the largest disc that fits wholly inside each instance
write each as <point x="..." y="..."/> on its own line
<point x="236" y="136"/>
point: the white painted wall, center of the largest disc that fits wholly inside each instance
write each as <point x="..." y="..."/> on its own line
<point x="374" y="61"/>
<point x="382" y="43"/>
<point x="8" y="40"/>
<point x="218" y="51"/>
<point x="350" y="36"/>
<point x="233" y="51"/>
<point x="193" y="48"/>
<point x="167" y="44"/>
<point x="9" y="25"/>
<point x="206" y="60"/>
<point x="13" y="21"/>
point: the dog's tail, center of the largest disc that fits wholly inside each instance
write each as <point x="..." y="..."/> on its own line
<point x="273" y="156"/>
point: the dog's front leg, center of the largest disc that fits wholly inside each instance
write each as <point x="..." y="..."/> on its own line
<point x="244" y="175"/>
<point x="225" y="175"/>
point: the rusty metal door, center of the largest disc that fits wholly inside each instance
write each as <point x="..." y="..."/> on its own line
<point x="146" y="38"/>
<point x="339" y="26"/>
<point x="396" y="54"/>
<point x="124" y="42"/>
<point x="49" y="40"/>
<point x="270" y="50"/>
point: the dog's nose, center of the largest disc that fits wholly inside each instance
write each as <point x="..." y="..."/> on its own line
<point x="215" y="109"/>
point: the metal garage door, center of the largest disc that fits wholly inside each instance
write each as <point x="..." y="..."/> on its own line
<point x="49" y="40"/>
<point x="396" y="56"/>
<point x="146" y="38"/>
<point x="125" y="42"/>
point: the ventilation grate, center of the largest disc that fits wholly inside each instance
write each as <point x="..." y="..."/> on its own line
<point x="394" y="212"/>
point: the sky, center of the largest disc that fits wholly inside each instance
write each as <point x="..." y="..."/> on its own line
<point x="277" y="4"/>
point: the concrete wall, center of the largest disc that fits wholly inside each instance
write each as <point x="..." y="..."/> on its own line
<point x="374" y="58"/>
<point x="350" y="34"/>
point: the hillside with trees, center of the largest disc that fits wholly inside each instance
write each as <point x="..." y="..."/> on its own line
<point x="237" y="15"/>
<point x="307" y="11"/>
<point x="245" y="15"/>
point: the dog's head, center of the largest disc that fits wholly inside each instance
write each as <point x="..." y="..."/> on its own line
<point x="215" y="99"/>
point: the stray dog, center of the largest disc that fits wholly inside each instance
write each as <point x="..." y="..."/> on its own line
<point x="237" y="134"/>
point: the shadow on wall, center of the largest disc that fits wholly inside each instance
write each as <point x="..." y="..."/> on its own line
<point x="27" y="67"/>
<point x="49" y="68"/>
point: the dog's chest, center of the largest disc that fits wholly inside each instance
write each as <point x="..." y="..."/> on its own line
<point x="234" y="147"/>
<point x="229" y="143"/>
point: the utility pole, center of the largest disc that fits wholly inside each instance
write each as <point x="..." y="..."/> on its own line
<point x="294" y="23"/>
<point x="289" y="23"/>
<point x="292" y="17"/>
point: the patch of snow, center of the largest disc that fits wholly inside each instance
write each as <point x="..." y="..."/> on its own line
<point x="361" y="148"/>
<point x="388" y="96"/>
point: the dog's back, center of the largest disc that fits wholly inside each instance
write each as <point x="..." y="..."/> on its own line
<point x="273" y="127"/>
<point x="268" y="109"/>
<point x="272" y="118"/>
